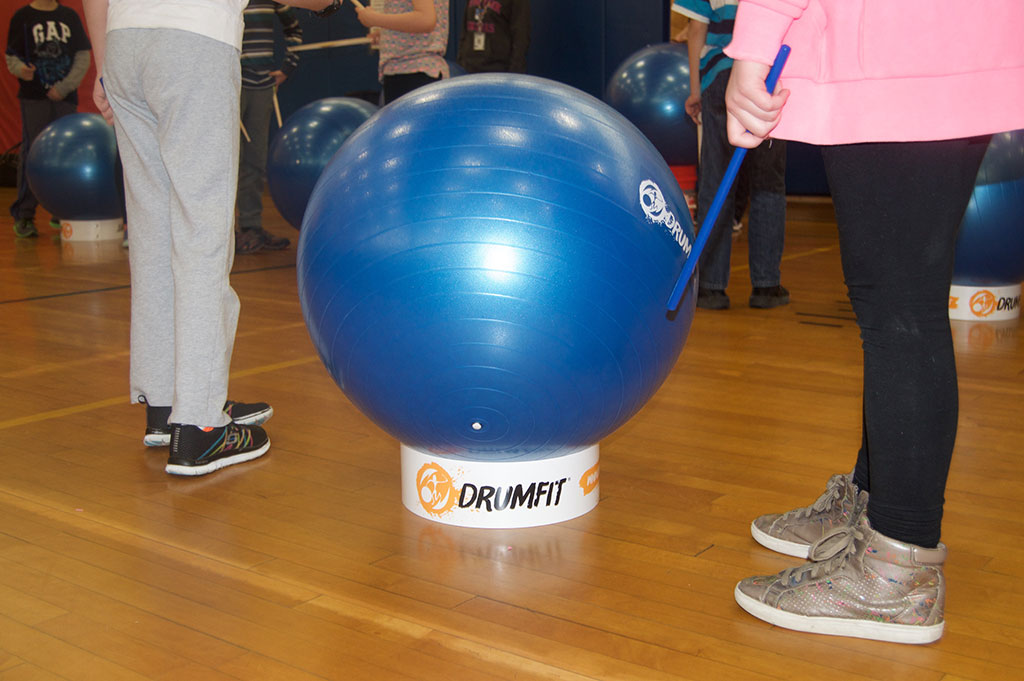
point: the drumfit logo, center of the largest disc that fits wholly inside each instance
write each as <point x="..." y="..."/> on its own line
<point x="983" y="303"/>
<point x="657" y="211"/>
<point x="437" y="492"/>
<point x="511" y="497"/>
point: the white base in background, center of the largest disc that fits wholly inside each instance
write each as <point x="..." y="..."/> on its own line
<point x="91" y="230"/>
<point x="984" y="303"/>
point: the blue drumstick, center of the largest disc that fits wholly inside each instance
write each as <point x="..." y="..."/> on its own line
<point x="723" y="190"/>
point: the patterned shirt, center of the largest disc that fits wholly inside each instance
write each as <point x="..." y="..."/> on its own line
<point x="402" y="52"/>
<point x="258" y="42"/>
<point x="719" y="15"/>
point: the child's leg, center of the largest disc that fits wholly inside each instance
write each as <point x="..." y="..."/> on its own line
<point x="36" y="114"/>
<point x="898" y="207"/>
<point x="257" y="105"/>
<point x="196" y="128"/>
<point x="147" y="195"/>
<point x="714" y="158"/>
<point x="766" y="233"/>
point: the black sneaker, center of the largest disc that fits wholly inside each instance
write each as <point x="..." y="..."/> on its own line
<point x="25" y="228"/>
<point x="712" y="299"/>
<point x="769" y="296"/>
<point x="158" y="432"/>
<point x="198" y="451"/>
<point x="248" y="241"/>
<point x="272" y="242"/>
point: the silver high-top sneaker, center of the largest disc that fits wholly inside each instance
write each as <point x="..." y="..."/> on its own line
<point x="861" y="584"/>
<point x="793" y="533"/>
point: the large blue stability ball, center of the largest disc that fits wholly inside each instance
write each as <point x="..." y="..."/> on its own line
<point x="990" y="247"/>
<point x="305" y="144"/>
<point x="484" y="268"/>
<point x="650" y="88"/>
<point x="74" y="170"/>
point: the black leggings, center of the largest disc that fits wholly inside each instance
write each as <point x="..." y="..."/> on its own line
<point x="898" y="206"/>
<point x="398" y="84"/>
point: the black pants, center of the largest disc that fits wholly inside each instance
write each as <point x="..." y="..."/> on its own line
<point x="899" y="206"/>
<point x="396" y="85"/>
<point x="36" y="114"/>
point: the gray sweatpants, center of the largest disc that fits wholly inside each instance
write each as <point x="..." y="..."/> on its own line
<point x="175" y="101"/>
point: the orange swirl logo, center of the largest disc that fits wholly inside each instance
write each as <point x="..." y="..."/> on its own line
<point x="437" y="492"/>
<point x="983" y="303"/>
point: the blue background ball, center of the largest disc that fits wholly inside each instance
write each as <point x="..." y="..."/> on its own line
<point x="454" y="70"/>
<point x="484" y="268"/>
<point x="650" y="88"/>
<point x="74" y="170"/>
<point x="305" y="144"/>
<point x="990" y="246"/>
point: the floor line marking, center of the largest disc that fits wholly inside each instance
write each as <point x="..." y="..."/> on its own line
<point x="112" y="401"/>
<point x="794" y="256"/>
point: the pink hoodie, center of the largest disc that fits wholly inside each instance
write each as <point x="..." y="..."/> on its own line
<point x="890" y="70"/>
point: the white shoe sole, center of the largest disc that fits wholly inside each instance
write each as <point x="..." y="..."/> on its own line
<point x="164" y="439"/>
<point x="157" y="440"/>
<point x="255" y="419"/>
<point x="176" y="469"/>
<point x="837" y="626"/>
<point x="790" y="548"/>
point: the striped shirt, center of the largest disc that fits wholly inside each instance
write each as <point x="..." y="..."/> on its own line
<point x="258" y="42"/>
<point x="402" y="52"/>
<point x="719" y="15"/>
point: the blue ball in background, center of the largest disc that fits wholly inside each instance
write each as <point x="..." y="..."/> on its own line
<point x="650" y="88"/>
<point x="302" y="148"/>
<point x="484" y="269"/>
<point x="990" y="246"/>
<point x="454" y="70"/>
<point x="74" y="170"/>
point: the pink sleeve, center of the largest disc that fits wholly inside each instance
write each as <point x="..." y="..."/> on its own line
<point x="760" y="27"/>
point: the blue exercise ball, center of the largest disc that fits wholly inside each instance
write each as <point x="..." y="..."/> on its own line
<point x="650" y="88"/>
<point x="990" y="246"/>
<point x="485" y="269"/>
<point x="74" y="170"/>
<point x="301" y="149"/>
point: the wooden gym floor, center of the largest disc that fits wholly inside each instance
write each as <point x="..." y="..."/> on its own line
<point x="304" y="565"/>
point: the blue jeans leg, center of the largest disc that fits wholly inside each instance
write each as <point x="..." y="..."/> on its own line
<point x="766" y="168"/>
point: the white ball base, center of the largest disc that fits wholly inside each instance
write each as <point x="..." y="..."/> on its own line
<point x="984" y="303"/>
<point x="91" y="230"/>
<point x="500" y="494"/>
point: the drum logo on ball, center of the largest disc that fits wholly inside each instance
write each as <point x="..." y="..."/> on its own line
<point x="656" y="209"/>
